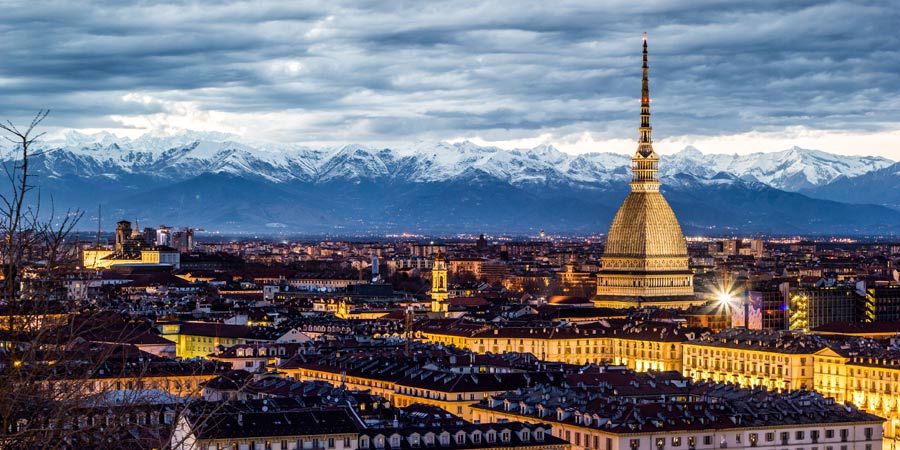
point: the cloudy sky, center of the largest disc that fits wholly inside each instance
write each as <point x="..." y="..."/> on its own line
<point x="727" y="78"/>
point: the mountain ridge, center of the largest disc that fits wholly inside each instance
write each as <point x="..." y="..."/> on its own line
<point x="213" y="181"/>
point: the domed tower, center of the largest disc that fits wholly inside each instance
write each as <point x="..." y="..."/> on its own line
<point x="645" y="261"/>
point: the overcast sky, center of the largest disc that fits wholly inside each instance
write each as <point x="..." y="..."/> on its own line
<point x="726" y="78"/>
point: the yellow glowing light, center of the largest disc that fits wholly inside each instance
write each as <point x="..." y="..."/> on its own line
<point x="725" y="297"/>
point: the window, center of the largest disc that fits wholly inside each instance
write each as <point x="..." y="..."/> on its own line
<point x="476" y="438"/>
<point x="844" y="434"/>
<point x="737" y="438"/>
<point x="539" y="435"/>
<point x="692" y="441"/>
<point x="707" y="440"/>
<point x="660" y="443"/>
<point x="829" y="434"/>
<point x="504" y="436"/>
<point x="753" y="439"/>
<point x="814" y="435"/>
<point x="784" y="437"/>
<point x="346" y="443"/>
<point x="330" y="442"/>
<point x="676" y="441"/>
<point x="608" y="443"/>
<point x="634" y="444"/>
<point x="800" y="435"/>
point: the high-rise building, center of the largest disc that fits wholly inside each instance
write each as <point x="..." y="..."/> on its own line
<point x="149" y="236"/>
<point x="183" y="240"/>
<point x="731" y="246"/>
<point x="757" y="247"/>
<point x="878" y="303"/>
<point x="164" y="236"/>
<point x="774" y="298"/>
<point x="645" y="260"/>
<point x="812" y="307"/>
<point x="439" y="290"/>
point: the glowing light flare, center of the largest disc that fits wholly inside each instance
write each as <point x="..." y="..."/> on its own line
<point x="725" y="297"/>
<point x="724" y="292"/>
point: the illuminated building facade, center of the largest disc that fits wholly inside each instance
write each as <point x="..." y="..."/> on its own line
<point x="777" y="361"/>
<point x="811" y="308"/>
<point x="645" y="260"/>
<point x="641" y="347"/>
<point x="881" y="304"/>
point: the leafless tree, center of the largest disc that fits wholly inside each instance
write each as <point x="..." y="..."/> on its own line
<point x="18" y="218"/>
<point x="57" y="365"/>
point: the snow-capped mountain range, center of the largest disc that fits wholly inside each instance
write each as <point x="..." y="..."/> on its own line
<point x="218" y="181"/>
<point x="192" y="153"/>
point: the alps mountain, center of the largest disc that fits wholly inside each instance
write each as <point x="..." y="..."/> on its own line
<point x="212" y="180"/>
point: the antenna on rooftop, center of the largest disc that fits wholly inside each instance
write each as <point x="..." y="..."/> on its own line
<point x="408" y="330"/>
<point x="99" y="215"/>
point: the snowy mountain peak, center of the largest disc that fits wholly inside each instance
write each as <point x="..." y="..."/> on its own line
<point x="690" y="152"/>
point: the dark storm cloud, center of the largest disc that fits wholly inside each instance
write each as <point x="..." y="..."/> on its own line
<point x="373" y="70"/>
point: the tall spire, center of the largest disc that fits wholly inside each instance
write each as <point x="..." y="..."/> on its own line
<point x="644" y="163"/>
<point x="645" y="147"/>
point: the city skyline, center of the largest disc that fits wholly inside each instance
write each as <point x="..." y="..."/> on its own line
<point x="738" y="78"/>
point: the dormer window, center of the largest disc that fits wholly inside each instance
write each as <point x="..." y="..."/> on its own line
<point x="504" y="436"/>
<point x="445" y="439"/>
<point x="491" y="436"/>
<point x="539" y="435"/>
<point x="395" y="441"/>
<point x="476" y="438"/>
<point x="461" y="438"/>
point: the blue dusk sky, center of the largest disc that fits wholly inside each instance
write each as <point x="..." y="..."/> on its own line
<point x="725" y="76"/>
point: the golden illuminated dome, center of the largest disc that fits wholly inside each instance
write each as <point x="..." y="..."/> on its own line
<point x="645" y="227"/>
<point x="646" y="257"/>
